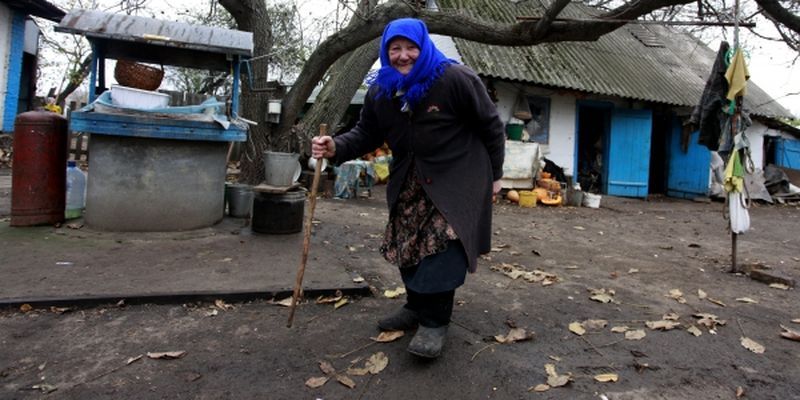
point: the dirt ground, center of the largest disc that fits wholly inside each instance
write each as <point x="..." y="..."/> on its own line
<point x="638" y="251"/>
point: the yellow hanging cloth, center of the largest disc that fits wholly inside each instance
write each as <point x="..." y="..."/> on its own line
<point x="734" y="174"/>
<point x="737" y="76"/>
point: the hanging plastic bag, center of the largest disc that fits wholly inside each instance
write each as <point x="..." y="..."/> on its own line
<point x="740" y="217"/>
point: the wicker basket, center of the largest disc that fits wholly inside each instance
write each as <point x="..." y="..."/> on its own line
<point x="139" y="76"/>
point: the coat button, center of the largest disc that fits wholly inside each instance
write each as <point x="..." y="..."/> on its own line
<point x="428" y="181"/>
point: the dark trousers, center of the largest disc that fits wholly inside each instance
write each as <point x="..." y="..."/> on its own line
<point x="434" y="309"/>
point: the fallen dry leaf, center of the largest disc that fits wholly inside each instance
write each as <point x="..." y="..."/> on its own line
<point x="579" y="228"/>
<point x="330" y="299"/>
<point x="514" y="335"/>
<point x="358" y="279"/>
<point x="553" y="378"/>
<point x="75" y="226"/>
<point x="710" y="321"/>
<point x="670" y="317"/>
<point x="327" y="368"/>
<point x="346" y="381"/>
<point x="376" y="363"/>
<point x="550" y="370"/>
<point x="357" y="371"/>
<point x="677" y="295"/>
<point x="59" y="310"/>
<point x="340" y="303"/>
<point x="620" y="329"/>
<point x="166" y="355"/>
<point x="606" y="377"/>
<point x="25" y="308"/>
<point x="515" y="271"/>
<point x="287" y="302"/>
<point x="752" y="345"/>
<point x="133" y="360"/>
<point x="662" y="325"/>
<point x="577" y="328"/>
<point x="602" y="295"/>
<point x="542" y="387"/>
<point x="222" y="305"/>
<point x="701" y="294"/>
<point x="790" y="334"/>
<point x="637" y="334"/>
<point x="633" y="270"/>
<point x="558" y="381"/>
<point x="394" y="293"/>
<point x="317" y="382"/>
<point x="388" y="336"/>
<point x="739" y="392"/>
<point x="780" y="286"/>
<point x="746" y="300"/>
<point x="694" y="331"/>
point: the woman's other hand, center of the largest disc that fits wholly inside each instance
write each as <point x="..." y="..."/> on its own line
<point x="496" y="187"/>
<point x="323" y="147"/>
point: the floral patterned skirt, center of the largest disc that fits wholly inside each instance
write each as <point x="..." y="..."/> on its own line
<point x="416" y="229"/>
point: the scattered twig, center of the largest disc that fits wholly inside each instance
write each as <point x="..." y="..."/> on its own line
<point x="593" y="346"/>
<point x="310" y="320"/>
<point x="454" y="322"/>
<point x="352" y="351"/>
<point x="488" y="346"/>
<point x="740" y="326"/>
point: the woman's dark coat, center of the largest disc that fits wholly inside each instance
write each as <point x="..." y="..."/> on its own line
<point x="457" y="142"/>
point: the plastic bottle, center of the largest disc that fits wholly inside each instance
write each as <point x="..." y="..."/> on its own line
<point x="76" y="191"/>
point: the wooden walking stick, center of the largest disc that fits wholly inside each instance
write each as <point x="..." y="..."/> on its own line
<point x="312" y="203"/>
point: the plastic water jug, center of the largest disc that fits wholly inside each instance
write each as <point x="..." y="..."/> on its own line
<point x="76" y="191"/>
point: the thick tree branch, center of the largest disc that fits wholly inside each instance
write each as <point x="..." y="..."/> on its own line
<point x="544" y="24"/>
<point x="455" y="25"/>
<point x="781" y="14"/>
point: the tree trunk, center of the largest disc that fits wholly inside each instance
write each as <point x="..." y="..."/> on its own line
<point x="346" y="76"/>
<point x="334" y="98"/>
<point x="252" y="16"/>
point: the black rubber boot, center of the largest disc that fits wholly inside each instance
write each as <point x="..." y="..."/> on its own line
<point x="402" y="320"/>
<point x="428" y="342"/>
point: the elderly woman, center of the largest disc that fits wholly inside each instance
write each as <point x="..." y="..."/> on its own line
<point x="447" y="144"/>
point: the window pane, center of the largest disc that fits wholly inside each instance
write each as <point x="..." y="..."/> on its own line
<point x="539" y="126"/>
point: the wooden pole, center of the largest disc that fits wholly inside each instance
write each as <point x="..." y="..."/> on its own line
<point x="312" y="203"/>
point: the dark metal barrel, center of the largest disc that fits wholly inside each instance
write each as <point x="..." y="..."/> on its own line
<point x="38" y="175"/>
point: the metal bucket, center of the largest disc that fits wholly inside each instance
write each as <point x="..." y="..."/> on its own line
<point x="278" y="212"/>
<point x="240" y="200"/>
<point x="281" y="169"/>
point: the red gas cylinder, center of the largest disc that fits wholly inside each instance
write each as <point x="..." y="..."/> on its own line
<point x="38" y="172"/>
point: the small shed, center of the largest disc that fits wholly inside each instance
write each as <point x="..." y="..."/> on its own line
<point x="156" y="170"/>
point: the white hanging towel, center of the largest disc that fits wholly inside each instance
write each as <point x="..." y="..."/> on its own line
<point x="740" y="217"/>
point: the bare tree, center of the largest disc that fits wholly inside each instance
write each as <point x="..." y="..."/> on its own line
<point x="549" y="28"/>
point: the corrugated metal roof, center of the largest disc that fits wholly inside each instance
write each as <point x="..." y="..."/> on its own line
<point x="39" y="8"/>
<point x="617" y="64"/>
<point x="158" y="41"/>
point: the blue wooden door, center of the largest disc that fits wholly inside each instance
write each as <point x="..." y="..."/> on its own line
<point x="628" y="166"/>
<point x="787" y="153"/>
<point x="689" y="172"/>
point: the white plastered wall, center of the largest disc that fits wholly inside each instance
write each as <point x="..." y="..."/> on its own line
<point x="755" y="134"/>
<point x="561" y="146"/>
<point x="5" y="46"/>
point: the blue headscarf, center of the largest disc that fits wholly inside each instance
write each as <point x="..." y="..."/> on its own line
<point x="430" y="64"/>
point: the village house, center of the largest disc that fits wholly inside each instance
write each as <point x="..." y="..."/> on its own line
<point x="19" y="48"/>
<point x="611" y="112"/>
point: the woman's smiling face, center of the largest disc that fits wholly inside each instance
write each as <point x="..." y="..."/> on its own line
<point x="403" y="53"/>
